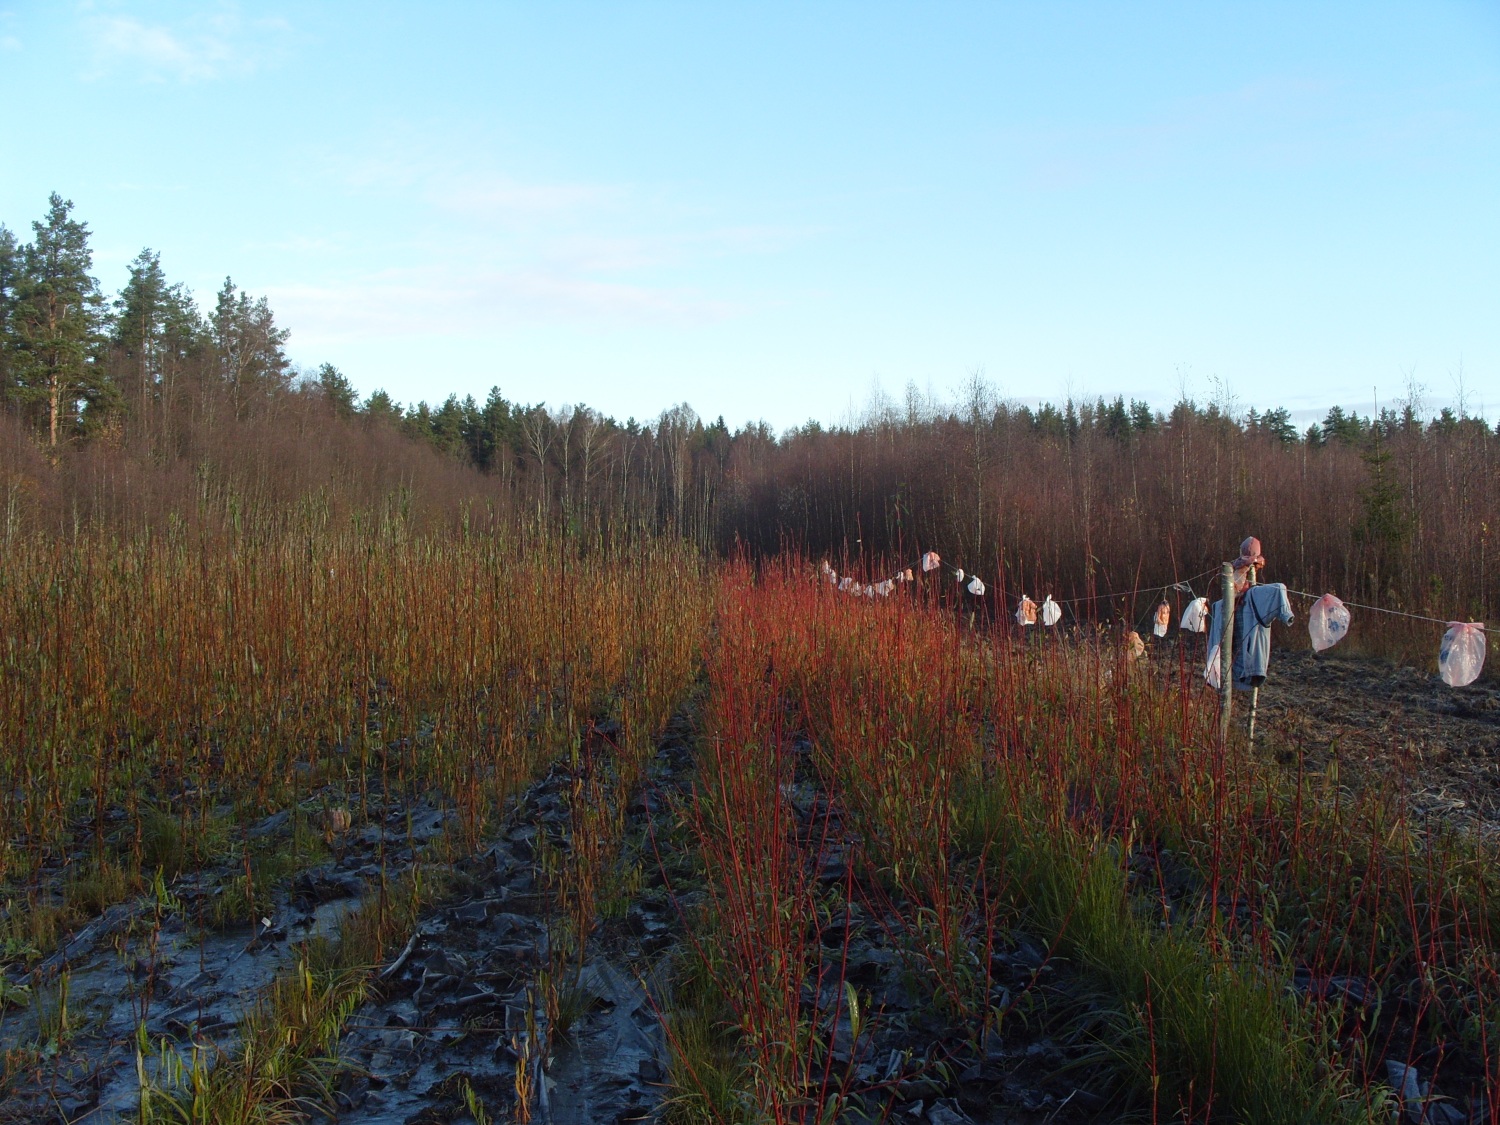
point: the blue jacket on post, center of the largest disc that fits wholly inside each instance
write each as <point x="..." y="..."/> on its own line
<point x="1254" y="610"/>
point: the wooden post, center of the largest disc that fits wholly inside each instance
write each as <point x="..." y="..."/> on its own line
<point x="1255" y="691"/>
<point x="1226" y="653"/>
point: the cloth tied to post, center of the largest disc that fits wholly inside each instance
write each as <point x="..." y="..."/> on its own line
<point x="1254" y="612"/>
<point x="1250" y="559"/>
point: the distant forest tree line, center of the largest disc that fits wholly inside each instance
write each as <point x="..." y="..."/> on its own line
<point x="145" y="409"/>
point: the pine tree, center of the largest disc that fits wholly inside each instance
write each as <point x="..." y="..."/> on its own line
<point x="380" y="407"/>
<point x="156" y="329"/>
<point x="249" y="346"/>
<point x="337" y="390"/>
<point x="56" y="323"/>
<point x="10" y="268"/>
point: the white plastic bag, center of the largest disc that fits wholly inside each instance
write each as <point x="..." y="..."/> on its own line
<point x="976" y="587"/>
<point x="1026" y="612"/>
<point x="1051" y="612"/>
<point x="1163" y="619"/>
<point x="959" y="573"/>
<point x="1461" y="657"/>
<point x="1195" y="617"/>
<point x="1327" y="622"/>
<point x="930" y="561"/>
<point x="845" y="582"/>
<point x="884" y="588"/>
<point x="1211" y="671"/>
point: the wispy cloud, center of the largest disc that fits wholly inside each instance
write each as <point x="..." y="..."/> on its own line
<point x="1274" y="121"/>
<point x="9" y="40"/>
<point x="204" y="46"/>
<point x="425" y="301"/>
<point x="481" y="247"/>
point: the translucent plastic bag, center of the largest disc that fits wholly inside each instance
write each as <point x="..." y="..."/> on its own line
<point x="1026" y="612"/>
<point x="1327" y="622"/>
<point x="1195" y="617"/>
<point x="1163" y="619"/>
<point x="1051" y="612"/>
<point x="1135" y="648"/>
<point x="1461" y="657"/>
<point x="1211" y="670"/>
<point x="845" y="582"/>
<point x="959" y="574"/>
<point x="931" y="561"/>
<point x="976" y="587"/>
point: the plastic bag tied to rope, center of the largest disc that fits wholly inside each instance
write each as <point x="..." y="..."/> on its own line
<point x="1195" y="617"/>
<point x="1327" y="622"/>
<point x="1461" y="656"/>
<point x="1051" y="612"/>
<point x="931" y="561"/>
<point x="959" y="574"/>
<point x="1026" y="612"/>
<point x="976" y="587"/>
<point x="1163" y="619"/>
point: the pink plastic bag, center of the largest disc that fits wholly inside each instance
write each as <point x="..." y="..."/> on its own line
<point x="930" y="561"/>
<point x="1461" y="657"/>
<point x="1163" y="619"/>
<point x="1026" y="612"/>
<point x="1327" y="622"/>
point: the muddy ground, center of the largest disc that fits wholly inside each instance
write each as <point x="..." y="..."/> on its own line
<point x="1388" y="725"/>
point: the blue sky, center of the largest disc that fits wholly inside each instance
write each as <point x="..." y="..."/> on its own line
<point x="769" y="210"/>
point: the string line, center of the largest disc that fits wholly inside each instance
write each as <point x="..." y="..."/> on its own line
<point x="1380" y="609"/>
<point x="1212" y="570"/>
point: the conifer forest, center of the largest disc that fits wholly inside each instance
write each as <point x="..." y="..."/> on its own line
<point x="462" y="761"/>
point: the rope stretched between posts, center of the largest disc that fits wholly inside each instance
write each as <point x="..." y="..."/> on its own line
<point x="1394" y="612"/>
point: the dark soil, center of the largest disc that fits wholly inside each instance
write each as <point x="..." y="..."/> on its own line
<point x="1388" y="725"/>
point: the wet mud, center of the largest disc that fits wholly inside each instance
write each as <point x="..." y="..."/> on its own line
<point x="150" y="965"/>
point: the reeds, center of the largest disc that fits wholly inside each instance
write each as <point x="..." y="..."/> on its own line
<point x="1264" y="939"/>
